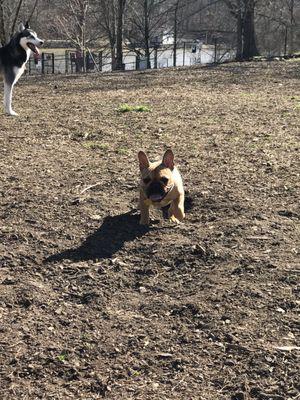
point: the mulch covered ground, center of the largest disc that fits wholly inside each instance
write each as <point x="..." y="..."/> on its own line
<point x="94" y="306"/>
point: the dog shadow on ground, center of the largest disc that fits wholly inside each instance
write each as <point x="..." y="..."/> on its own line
<point x="110" y="237"/>
<point x="107" y="240"/>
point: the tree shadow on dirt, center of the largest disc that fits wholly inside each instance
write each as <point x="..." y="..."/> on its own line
<point x="105" y="241"/>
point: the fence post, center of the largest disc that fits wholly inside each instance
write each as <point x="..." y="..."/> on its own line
<point x="100" y="57"/>
<point x="43" y="63"/>
<point x="215" y="55"/>
<point x="285" y="40"/>
<point x="155" y="58"/>
<point x="66" y="61"/>
<point x="137" y="62"/>
<point x="53" y="63"/>
<point x="183" y="54"/>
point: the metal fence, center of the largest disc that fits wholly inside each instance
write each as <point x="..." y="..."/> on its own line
<point x="71" y="61"/>
<point x="68" y="63"/>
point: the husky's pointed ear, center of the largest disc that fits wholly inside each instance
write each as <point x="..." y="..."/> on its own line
<point x="21" y="27"/>
<point x="168" y="159"/>
<point x="143" y="160"/>
<point x="27" y="25"/>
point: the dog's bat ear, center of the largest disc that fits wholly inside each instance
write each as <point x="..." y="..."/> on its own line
<point x="143" y="160"/>
<point x="21" y="27"/>
<point x="27" y="25"/>
<point x="168" y="159"/>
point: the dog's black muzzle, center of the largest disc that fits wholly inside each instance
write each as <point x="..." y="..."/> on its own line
<point x="155" y="191"/>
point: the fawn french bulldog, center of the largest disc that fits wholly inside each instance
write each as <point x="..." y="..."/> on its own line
<point x="161" y="185"/>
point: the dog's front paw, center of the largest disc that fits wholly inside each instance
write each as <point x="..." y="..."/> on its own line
<point x="12" y="113"/>
<point x="174" y="219"/>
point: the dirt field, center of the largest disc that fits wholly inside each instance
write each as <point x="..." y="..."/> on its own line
<point x="94" y="306"/>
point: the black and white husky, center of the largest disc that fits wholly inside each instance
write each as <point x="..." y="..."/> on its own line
<point x="13" y="57"/>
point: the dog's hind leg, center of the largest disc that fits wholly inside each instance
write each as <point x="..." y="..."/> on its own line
<point x="8" y="89"/>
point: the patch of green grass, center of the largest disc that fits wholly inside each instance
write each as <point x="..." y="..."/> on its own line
<point x="62" y="357"/>
<point x="122" y="151"/>
<point x="123" y="108"/>
<point x="95" y="145"/>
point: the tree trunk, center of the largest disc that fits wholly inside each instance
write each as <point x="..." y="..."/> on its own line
<point x="119" y="36"/>
<point x="155" y="57"/>
<point x="83" y="41"/>
<point x="2" y="27"/>
<point x="292" y="27"/>
<point x="249" y="49"/>
<point x="146" y="34"/>
<point x="113" y="58"/>
<point x="175" y="33"/>
<point x="108" y="12"/>
<point x="239" y="36"/>
<point x="112" y="44"/>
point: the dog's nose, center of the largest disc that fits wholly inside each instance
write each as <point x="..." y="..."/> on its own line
<point x="41" y="42"/>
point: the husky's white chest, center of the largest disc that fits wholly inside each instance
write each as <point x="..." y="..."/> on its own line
<point x="18" y="71"/>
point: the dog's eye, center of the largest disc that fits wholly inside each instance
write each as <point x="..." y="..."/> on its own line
<point x="164" y="180"/>
<point x="146" y="180"/>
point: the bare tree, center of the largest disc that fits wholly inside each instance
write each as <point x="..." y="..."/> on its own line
<point x="271" y="25"/>
<point x="244" y="13"/>
<point x="182" y="11"/>
<point x="249" y="39"/>
<point x="119" y="34"/>
<point x="106" y="20"/>
<point x="17" y="12"/>
<point x="73" y="24"/>
<point x="291" y="8"/>
<point x="11" y="13"/>
<point x="278" y="31"/>
<point x="34" y="7"/>
<point x="146" y="20"/>
<point x="110" y="19"/>
<point x="176" y="9"/>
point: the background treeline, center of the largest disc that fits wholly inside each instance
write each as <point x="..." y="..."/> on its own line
<point x="250" y="27"/>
